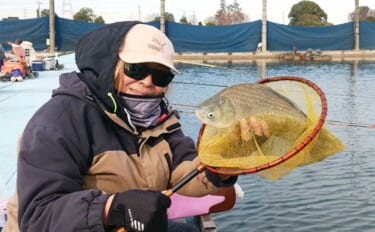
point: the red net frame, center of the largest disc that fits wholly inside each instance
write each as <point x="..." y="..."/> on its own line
<point x="296" y="149"/>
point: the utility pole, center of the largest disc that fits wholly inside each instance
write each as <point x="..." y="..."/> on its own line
<point x="162" y="15"/>
<point x="38" y="9"/>
<point x="51" y="26"/>
<point x="356" y="25"/>
<point x="264" y="26"/>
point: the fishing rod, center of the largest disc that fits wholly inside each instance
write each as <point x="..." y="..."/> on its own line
<point x="331" y="122"/>
<point x="190" y="83"/>
<point x="199" y="64"/>
<point x="355" y="124"/>
<point x="210" y="66"/>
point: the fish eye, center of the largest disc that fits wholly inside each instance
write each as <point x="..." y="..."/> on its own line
<point x="211" y="115"/>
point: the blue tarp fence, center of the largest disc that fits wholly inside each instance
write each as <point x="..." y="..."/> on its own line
<point x="242" y="37"/>
<point x="33" y="30"/>
<point x="282" y="37"/>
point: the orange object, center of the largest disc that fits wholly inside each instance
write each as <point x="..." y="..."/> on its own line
<point x="9" y="65"/>
<point x="19" y="63"/>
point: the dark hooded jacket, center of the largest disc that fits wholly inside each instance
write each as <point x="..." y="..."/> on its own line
<point x="79" y="146"/>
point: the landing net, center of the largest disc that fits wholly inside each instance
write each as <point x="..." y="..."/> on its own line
<point x="294" y="140"/>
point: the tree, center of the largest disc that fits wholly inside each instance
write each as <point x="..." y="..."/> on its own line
<point x="87" y="15"/>
<point x="307" y="13"/>
<point x="184" y="20"/>
<point x="235" y="13"/>
<point x="365" y="14"/>
<point x="229" y="14"/>
<point x="221" y="14"/>
<point x="99" y="19"/>
<point x="45" y="12"/>
<point x="168" y="17"/>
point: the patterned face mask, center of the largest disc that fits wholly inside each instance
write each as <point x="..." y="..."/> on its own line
<point x="143" y="111"/>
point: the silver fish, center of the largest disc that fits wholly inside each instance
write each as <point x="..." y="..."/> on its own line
<point x="239" y="101"/>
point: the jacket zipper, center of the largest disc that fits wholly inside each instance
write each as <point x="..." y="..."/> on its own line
<point x="169" y="162"/>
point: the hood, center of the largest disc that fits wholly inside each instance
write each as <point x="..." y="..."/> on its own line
<point x="96" y="55"/>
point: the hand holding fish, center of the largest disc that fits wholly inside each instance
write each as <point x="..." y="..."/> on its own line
<point x="248" y="127"/>
<point x="253" y="126"/>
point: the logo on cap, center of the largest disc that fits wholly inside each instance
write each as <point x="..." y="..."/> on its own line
<point x="156" y="45"/>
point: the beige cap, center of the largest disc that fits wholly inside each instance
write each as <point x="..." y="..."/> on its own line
<point x="144" y="43"/>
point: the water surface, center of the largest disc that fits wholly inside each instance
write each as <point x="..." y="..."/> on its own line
<point x="337" y="194"/>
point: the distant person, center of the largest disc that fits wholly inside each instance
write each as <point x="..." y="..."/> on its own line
<point x="2" y="52"/>
<point x="17" y="50"/>
<point x="2" y="55"/>
<point x="16" y="75"/>
<point x="294" y="50"/>
<point x="25" y="49"/>
<point x="16" y="43"/>
<point x="99" y="153"/>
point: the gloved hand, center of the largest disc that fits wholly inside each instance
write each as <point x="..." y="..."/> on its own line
<point x="139" y="210"/>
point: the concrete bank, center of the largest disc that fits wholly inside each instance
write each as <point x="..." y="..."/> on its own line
<point x="347" y="55"/>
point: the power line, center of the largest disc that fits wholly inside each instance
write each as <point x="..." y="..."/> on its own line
<point x="67" y="10"/>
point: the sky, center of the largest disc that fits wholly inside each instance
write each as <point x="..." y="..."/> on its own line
<point x="194" y="10"/>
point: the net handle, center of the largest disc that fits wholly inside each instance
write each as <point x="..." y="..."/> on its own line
<point x="296" y="149"/>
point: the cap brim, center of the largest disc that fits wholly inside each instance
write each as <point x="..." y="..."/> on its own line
<point x="132" y="58"/>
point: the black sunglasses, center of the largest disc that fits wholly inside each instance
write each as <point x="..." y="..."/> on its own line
<point x="140" y="71"/>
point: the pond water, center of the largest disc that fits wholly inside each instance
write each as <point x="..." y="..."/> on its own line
<point x="336" y="194"/>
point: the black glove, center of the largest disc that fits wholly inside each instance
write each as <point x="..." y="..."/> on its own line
<point x="139" y="210"/>
<point x="214" y="178"/>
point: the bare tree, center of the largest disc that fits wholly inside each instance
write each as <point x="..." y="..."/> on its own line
<point x="230" y="14"/>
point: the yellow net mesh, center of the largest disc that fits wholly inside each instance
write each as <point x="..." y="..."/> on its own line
<point x="224" y="148"/>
